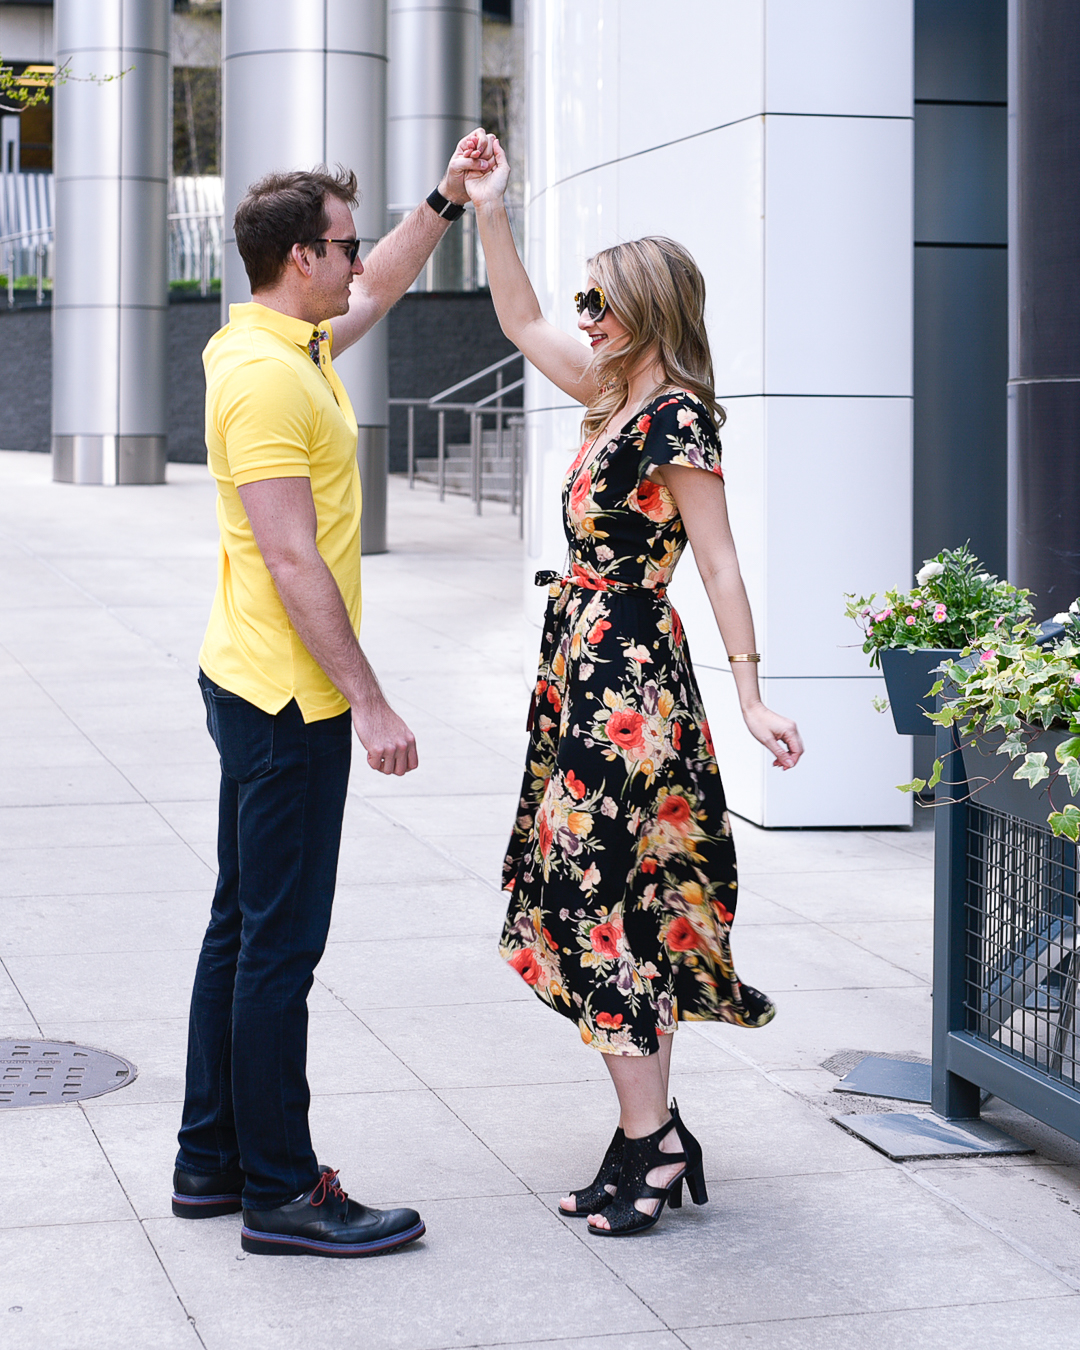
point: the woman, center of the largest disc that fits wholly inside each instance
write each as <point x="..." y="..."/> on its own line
<point x="621" y="867"/>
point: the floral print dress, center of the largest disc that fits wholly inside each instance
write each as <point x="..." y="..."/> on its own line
<point x="621" y="865"/>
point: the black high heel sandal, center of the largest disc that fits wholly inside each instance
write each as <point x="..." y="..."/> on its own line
<point x="596" y="1196"/>
<point x="640" y="1156"/>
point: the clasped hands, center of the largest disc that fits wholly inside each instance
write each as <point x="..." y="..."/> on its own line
<point x="474" y="158"/>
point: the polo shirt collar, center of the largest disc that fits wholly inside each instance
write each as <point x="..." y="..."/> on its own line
<point x="254" y="315"/>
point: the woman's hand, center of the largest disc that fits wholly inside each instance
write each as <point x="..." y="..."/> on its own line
<point x="490" y="186"/>
<point x="473" y="155"/>
<point x="777" y="734"/>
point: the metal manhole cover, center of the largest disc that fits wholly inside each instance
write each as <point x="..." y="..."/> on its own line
<point x="49" y="1073"/>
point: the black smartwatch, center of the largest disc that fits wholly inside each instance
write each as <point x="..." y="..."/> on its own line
<point x="448" y="210"/>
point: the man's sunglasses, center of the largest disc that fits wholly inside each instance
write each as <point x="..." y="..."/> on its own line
<point x="592" y="300"/>
<point x="351" y="246"/>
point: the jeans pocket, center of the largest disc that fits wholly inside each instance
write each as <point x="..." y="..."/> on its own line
<point x="243" y="734"/>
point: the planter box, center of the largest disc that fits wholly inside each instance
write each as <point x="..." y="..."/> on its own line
<point x="908" y="675"/>
<point x="1015" y="798"/>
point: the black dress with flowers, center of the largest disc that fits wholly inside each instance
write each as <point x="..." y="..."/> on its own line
<point x="621" y="866"/>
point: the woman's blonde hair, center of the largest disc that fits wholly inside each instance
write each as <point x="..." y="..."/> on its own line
<point x="656" y="291"/>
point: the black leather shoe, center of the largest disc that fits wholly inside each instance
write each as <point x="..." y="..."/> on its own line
<point x="325" y="1222"/>
<point x="196" y="1197"/>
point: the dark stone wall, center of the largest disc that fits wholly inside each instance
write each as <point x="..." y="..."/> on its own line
<point x="192" y="323"/>
<point x="435" y="340"/>
<point x="26" y="363"/>
<point x="26" y="378"/>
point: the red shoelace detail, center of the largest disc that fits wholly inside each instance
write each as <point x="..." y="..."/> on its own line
<point x="327" y="1188"/>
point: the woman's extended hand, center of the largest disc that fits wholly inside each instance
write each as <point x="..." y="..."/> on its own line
<point x="777" y="734"/>
<point x="489" y="186"/>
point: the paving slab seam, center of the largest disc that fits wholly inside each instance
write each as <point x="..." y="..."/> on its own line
<point x="22" y="997"/>
<point x="895" y="965"/>
<point x="969" y="1212"/>
<point x="91" y="742"/>
<point x="776" y="988"/>
<point x="868" y="1312"/>
<point x="58" y="706"/>
<point x="373" y="802"/>
<point x="984" y="1222"/>
<point x="113" y="613"/>
<point x="615" y="1337"/>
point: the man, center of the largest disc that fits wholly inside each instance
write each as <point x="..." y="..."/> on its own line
<point x="283" y="676"/>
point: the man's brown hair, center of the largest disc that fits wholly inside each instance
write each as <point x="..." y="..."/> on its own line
<point x="283" y="209"/>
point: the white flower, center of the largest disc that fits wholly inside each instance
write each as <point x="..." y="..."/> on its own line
<point x="1061" y="618"/>
<point x="929" y="570"/>
<point x="1074" y="608"/>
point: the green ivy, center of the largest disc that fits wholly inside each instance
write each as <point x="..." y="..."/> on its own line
<point x="1021" y="688"/>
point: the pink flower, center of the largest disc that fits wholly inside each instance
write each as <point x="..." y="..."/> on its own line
<point x="869" y="629"/>
<point x="910" y="620"/>
<point x="1076" y="678"/>
<point x="939" y="613"/>
<point x="916" y="604"/>
<point x="987" y="656"/>
<point x="998" y="622"/>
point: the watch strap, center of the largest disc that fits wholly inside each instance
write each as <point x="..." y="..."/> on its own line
<point x="443" y="207"/>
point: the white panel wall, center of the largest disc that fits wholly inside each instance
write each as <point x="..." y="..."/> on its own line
<point x="774" y="139"/>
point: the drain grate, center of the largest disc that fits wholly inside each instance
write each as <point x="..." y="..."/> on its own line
<point x="48" y="1073"/>
<point x="845" y="1060"/>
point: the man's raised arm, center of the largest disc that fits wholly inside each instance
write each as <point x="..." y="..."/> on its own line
<point x="398" y="258"/>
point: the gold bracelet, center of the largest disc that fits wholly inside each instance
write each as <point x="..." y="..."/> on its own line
<point x="746" y="656"/>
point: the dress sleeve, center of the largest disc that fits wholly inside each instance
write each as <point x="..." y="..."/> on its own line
<point x="680" y="431"/>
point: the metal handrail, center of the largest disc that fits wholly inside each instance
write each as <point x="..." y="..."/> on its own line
<point x="25" y="234"/>
<point x="476" y="412"/>
<point x="463" y="384"/>
<point x="21" y="239"/>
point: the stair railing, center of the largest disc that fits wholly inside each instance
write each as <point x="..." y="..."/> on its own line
<point x="490" y="404"/>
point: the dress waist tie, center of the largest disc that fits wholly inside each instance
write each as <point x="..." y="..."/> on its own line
<point x="588" y="584"/>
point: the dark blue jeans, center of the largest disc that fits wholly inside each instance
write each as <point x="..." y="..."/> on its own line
<point x="283" y="785"/>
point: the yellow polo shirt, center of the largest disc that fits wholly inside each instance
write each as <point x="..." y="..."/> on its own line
<point x="272" y="413"/>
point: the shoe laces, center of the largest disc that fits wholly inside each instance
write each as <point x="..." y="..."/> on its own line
<point x="327" y="1189"/>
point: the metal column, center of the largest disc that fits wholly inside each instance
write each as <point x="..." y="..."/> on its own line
<point x="1044" y="299"/>
<point x="304" y="85"/>
<point x="110" y="295"/>
<point x="434" y="100"/>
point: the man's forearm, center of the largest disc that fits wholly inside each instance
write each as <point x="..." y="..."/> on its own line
<point x="316" y="610"/>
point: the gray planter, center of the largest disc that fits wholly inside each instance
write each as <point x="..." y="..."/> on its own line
<point x="908" y="675"/>
<point x="1016" y="798"/>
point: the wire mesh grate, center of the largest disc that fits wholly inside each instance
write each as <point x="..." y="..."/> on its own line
<point x="1021" y="949"/>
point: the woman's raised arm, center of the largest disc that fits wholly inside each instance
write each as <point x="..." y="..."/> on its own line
<point x="556" y="354"/>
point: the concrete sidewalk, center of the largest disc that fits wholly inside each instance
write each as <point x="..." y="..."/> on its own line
<point x="438" y="1080"/>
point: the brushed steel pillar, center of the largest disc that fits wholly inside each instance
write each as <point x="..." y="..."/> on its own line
<point x="1044" y="300"/>
<point x="110" y="292"/>
<point x="305" y="84"/>
<point x="434" y="100"/>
